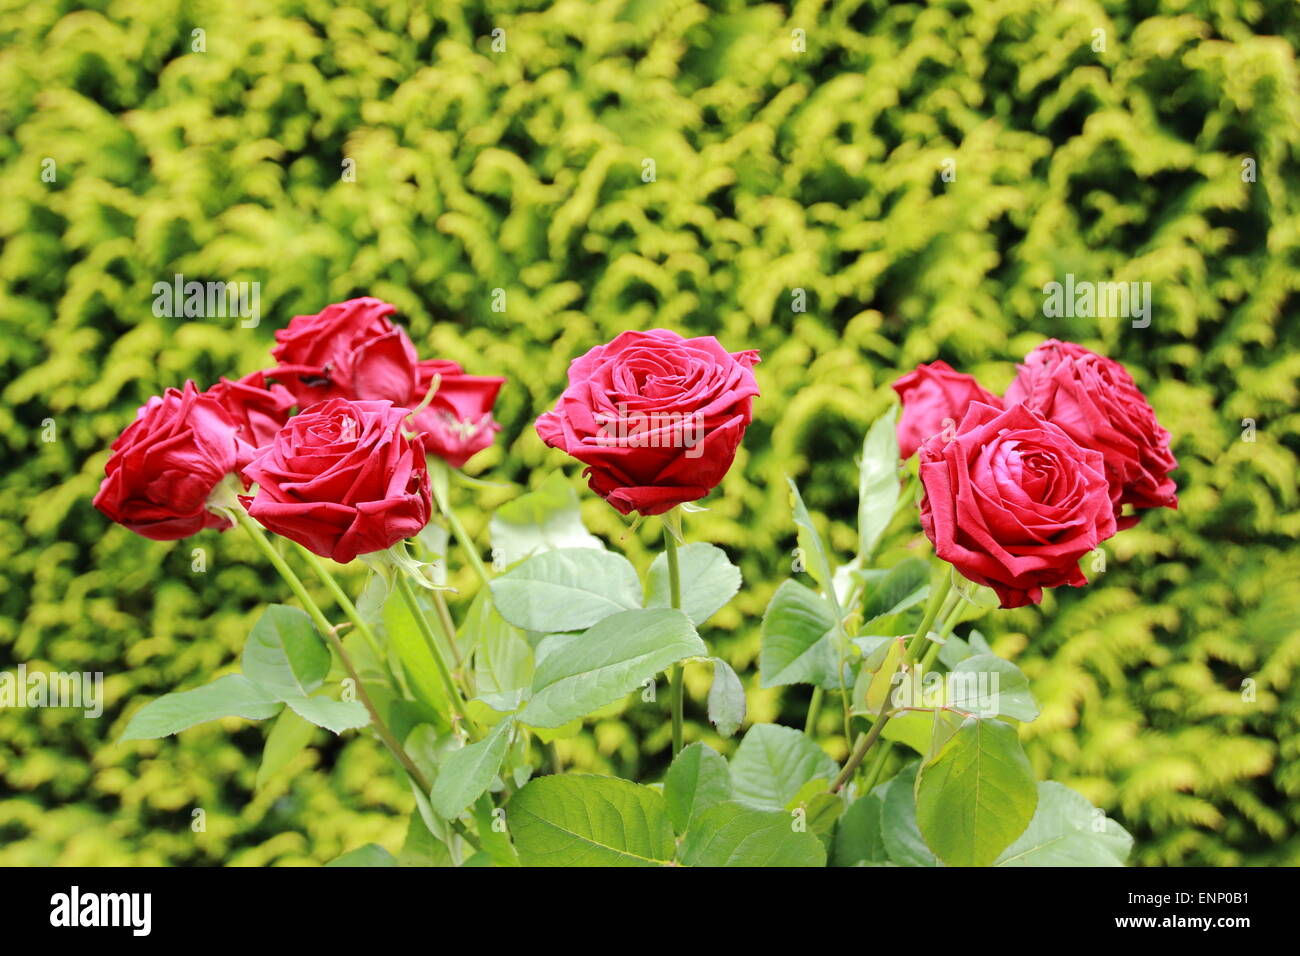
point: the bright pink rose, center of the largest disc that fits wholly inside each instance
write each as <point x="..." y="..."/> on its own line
<point x="933" y="395"/>
<point x="1013" y="503"/>
<point x="258" y="409"/>
<point x="458" y="423"/>
<point x="349" y="350"/>
<point x="655" y="417"/>
<point x="166" y="463"/>
<point x="1097" y="403"/>
<point x="342" y="479"/>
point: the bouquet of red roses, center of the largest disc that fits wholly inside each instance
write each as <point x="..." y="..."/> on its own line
<point x="345" y="448"/>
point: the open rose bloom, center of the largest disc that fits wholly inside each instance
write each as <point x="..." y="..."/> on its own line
<point x="342" y="479"/>
<point x="1012" y="502"/>
<point x="655" y="417"/>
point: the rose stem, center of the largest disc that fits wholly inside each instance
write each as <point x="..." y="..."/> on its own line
<point x="909" y="657"/>
<point x="426" y="632"/>
<point x="441" y="495"/>
<point x="326" y="629"/>
<point x="814" y="710"/>
<point x="350" y="609"/>
<point x="675" y="596"/>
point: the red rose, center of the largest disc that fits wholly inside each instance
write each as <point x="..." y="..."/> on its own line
<point x="258" y="409"/>
<point x="1097" y="403"/>
<point x="349" y="350"/>
<point x="1012" y="502"/>
<point x="656" y="418"/>
<point x="166" y="463"/>
<point x="458" y="422"/>
<point x="933" y="395"/>
<point x="342" y="479"/>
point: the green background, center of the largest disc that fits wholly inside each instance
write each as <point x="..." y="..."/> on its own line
<point x="775" y="170"/>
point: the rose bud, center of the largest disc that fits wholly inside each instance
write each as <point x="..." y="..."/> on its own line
<point x="342" y="478"/>
<point x="1097" y="403"/>
<point x="655" y="417"/>
<point x="1013" y="502"/>
<point x="166" y="464"/>
<point x="933" y="395"/>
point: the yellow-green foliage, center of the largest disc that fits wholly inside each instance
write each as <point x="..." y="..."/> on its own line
<point x="775" y="170"/>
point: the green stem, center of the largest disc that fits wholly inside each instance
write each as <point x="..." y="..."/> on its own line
<point x="675" y="596"/>
<point x="814" y="711"/>
<point x="345" y="603"/>
<point x="444" y="672"/>
<point x="938" y="599"/>
<point x="327" y="630"/>
<point x="441" y="497"/>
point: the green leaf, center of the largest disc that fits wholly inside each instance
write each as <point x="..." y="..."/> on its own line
<point x="284" y="654"/>
<point x="914" y="728"/>
<point x="709" y="580"/>
<point x="546" y="519"/>
<point x="904" y="585"/>
<point x="898" y="828"/>
<point x="988" y="686"/>
<point x="503" y="661"/>
<point x="334" y="715"/>
<point x="422" y="848"/>
<point x="583" y="820"/>
<point x="878" y="482"/>
<point x="976" y="795"/>
<point x="289" y="736"/>
<point x="697" y="780"/>
<point x="732" y="834"/>
<point x="858" y="838"/>
<point x="726" y="699"/>
<point x="417" y="661"/>
<point x="1067" y="830"/>
<point x="231" y="696"/>
<point x="607" y="662"/>
<point x="567" y="590"/>
<point x="773" y="763"/>
<point x="465" y="774"/>
<point x="798" y="639"/>
<point x="817" y="559"/>
<point x="372" y="854"/>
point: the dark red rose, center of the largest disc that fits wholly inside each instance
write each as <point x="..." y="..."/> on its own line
<point x="933" y="395"/>
<point x="166" y="463"/>
<point x="1097" y="403"/>
<point x="258" y="409"/>
<point x="655" y="417"/>
<point x="1013" y="503"/>
<point x="342" y="479"/>
<point x="349" y="350"/>
<point x="457" y="423"/>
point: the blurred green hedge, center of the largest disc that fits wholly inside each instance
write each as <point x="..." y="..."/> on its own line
<point x="777" y="167"/>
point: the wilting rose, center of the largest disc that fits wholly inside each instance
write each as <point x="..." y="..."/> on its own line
<point x="166" y="463"/>
<point x="655" y="417"/>
<point x="342" y="479"/>
<point x="933" y="395"/>
<point x="348" y="350"/>
<point x="1097" y="403"/>
<point x="1013" y="502"/>
<point x="458" y="422"/>
<point x="258" y="408"/>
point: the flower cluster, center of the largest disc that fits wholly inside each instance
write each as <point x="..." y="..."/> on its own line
<point x="346" y="475"/>
<point x="1018" y="489"/>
